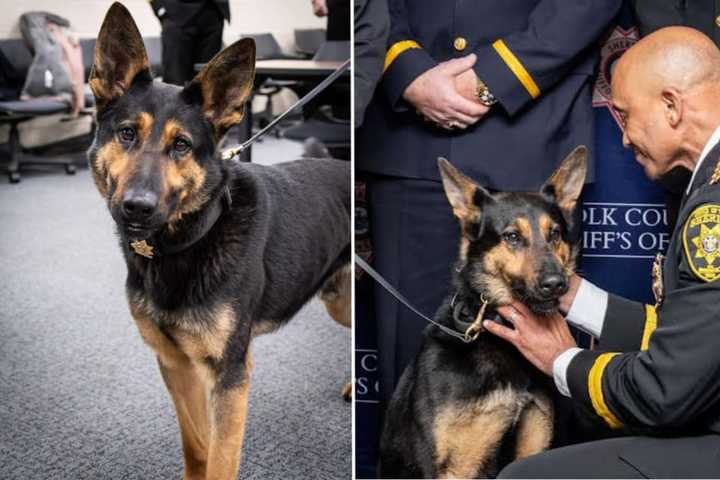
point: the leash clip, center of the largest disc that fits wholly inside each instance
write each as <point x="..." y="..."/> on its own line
<point x="474" y="330"/>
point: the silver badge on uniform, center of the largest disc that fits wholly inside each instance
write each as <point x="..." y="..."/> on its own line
<point x="657" y="279"/>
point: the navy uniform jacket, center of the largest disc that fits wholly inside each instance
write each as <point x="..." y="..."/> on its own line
<point x="703" y="15"/>
<point x="668" y="380"/>
<point x="536" y="56"/>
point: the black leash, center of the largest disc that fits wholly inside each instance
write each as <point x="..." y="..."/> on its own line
<point x="231" y="153"/>
<point x="383" y="283"/>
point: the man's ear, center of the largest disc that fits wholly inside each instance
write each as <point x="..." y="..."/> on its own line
<point x="673" y="106"/>
<point x="225" y="84"/>
<point x="120" y="56"/>
<point x="462" y="193"/>
<point x="565" y="185"/>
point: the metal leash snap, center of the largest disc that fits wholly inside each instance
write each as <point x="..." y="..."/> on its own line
<point x="474" y="330"/>
<point x="232" y="153"/>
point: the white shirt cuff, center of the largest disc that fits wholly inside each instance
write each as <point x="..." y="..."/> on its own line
<point x="588" y="309"/>
<point x="560" y="366"/>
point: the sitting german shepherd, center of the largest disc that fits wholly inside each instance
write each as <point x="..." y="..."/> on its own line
<point x="217" y="252"/>
<point x="465" y="410"/>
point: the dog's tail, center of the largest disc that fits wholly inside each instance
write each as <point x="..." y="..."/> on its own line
<point x="314" y="148"/>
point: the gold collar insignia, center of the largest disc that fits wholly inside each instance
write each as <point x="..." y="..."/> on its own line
<point x="143" y="248"/>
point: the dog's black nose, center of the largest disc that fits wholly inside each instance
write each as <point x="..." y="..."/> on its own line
<point x="139" y="205"/>
<point x="552" y="285"/>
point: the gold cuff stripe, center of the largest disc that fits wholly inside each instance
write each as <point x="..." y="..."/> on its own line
<point x="650" y="326"/>
<point x="596" y="393"/>
<point x="517" y="68"/>
<point x="397" y="49"/>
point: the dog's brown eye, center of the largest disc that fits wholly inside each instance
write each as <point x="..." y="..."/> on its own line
<point x="554" y="234"/>
<point x="127" y="134"/>
<point x="181" y="145"/>
<point x="513" y="238"/>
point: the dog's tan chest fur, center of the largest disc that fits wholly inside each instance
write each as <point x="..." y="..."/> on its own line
<point x="468" y="436"/>
<point x="190" y="335"/>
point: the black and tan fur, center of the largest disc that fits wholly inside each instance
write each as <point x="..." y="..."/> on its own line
<point x="466" y="410"/>
<point x="282" y="234"/>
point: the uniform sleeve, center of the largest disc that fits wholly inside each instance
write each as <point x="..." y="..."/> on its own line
<point x="627" y="325"/>
<point x="620" y="324"/>
<point x="672" y="383"/>
<point x="519" y="67"/>
<point x="405" y="59"/>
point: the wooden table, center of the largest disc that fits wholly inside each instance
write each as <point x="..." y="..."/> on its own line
<point x="296" y="69"/>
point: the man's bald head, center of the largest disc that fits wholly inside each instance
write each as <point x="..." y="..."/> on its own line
<point x="667" y="90"/>
<point x="678" y="57"/>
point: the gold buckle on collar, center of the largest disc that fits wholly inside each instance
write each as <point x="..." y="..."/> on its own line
<point x="476" y="328"/>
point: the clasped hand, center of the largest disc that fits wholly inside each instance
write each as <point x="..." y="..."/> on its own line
<point x="446" y="94"/>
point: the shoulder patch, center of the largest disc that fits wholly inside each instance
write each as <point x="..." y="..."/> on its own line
<point x="701" y="239"/>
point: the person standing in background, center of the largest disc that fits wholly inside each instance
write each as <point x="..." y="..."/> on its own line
<point x="338" y="18"/>
<point x="192" y="33"/>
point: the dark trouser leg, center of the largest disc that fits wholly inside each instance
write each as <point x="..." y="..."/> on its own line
<point x="208" y="41"/>
<point x="177" y="42"/>
<point x="415" y="242"/>
<point x="627" y="457"/>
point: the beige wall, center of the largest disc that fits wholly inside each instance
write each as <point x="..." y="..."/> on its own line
<point x="279" y="17"/>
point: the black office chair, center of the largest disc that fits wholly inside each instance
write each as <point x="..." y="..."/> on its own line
<point x="268" y="48"/>
<point x="308" y="41"/>
<point x="327" y="117"/>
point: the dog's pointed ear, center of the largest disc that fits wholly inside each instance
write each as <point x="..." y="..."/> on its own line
<point x="119" y="58"/>
<point x="465" y="196"/>
<point x="565" y="185"/>
<point x="225" y="84"/>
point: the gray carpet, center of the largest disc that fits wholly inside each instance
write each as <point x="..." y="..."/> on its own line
<point x="80" y="394"/>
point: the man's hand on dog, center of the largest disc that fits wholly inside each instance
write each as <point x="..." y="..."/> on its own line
<point x="435" y="94"/>
<point x="539" y="338"/>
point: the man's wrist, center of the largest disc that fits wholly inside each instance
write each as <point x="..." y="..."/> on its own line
<point x="560" y="368"/>
<point x="567" y="300"/>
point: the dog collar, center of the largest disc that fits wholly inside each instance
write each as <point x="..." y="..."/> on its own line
<point x="155" y="247"/>
<point x="467" y="323"/>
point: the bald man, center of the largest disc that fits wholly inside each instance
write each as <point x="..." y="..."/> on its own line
<point x="654" y="383"/>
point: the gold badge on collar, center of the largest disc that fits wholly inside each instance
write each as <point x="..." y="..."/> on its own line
<point x="657" y="279"/>
<point x="143" y="248"/>
<point x="715" y="178"/>
<point x="701" y="239"/>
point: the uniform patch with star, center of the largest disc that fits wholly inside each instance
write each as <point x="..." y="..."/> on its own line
<point x="701" y="239"/>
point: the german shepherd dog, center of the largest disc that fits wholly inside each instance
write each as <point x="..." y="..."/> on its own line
<point x="217" y="252"/>
<point x="464" y="410"/>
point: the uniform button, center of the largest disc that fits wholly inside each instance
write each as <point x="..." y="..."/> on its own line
<point x="717" y="21"/>
<point x="460" y="43"/>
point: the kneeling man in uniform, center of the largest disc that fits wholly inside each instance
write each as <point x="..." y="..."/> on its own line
<point x="654" y="383"/>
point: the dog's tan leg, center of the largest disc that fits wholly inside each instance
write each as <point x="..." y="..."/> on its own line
<point x="535" y="427"/>
<point x="187" y="386"/>
<point x="467" y="437"/>
<point x="336" y="294"/>
<point x="228" y="412"/>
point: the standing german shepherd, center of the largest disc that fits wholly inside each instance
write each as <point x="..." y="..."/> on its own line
<point x="216" y="252"/>
<point x="464" y="410"/>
